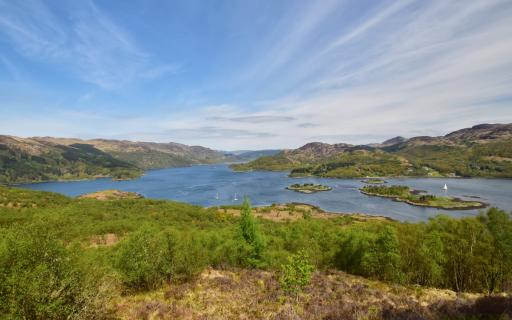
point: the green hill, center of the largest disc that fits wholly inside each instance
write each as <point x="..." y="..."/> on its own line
<point x="29" y="161"/>
<point x="43" y="159"/>
<point x="480" y="151"/>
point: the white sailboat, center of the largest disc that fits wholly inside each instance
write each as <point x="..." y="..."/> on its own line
<point x="217" y="196"/>
<point x="235" y="199"/>
<point x="445" y="188"/>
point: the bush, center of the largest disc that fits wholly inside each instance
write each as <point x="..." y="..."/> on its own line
<point x="144" y="260"/>
<point x="41" y="279"/>
<point x="296" y="274"/>
<point x="251" y="242"/>
<point x="190" y="257"/>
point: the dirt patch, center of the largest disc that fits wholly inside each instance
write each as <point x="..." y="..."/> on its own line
<point x="106" y="195"/>
<point x="299" y="211"/>
<point x="104" y="240"/>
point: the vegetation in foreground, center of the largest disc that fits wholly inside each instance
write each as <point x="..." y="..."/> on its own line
<point x="141" y="258"/>
<point x="308" y="187"/>
<point x="412" y="197"/>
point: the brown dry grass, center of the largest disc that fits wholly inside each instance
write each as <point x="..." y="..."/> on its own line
<point x="106" y="195"/>
<point x="298" y="211"/>
<point x="104" y="240"/>
<point x="254" y="294"/>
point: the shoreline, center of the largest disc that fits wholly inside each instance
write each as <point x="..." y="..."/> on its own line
<point x="373" y="177"/>
<point x="71" y="180"/>
<point x="360" y="214"/>
<point x="252" y="170"/>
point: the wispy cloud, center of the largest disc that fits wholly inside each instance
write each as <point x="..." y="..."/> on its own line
<point x="307" y="125"/>
<point x="88" y="42"/>
<point x="212" y="133"/>
<point x="161" y="70"/>
<point x="11" y="68"/>
<point x="254" y="118"/>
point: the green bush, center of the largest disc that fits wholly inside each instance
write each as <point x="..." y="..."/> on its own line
<point x="296" y="274"/>
<point x="190" y="257"/>
<point x="251" y="243"/>
<point x="40" y="278"/>
<point x="145" y="259"/>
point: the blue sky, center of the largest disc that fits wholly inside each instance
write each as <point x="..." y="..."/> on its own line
<point x="253" y="74"/>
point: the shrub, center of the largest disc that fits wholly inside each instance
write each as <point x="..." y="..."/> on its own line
<point x="144" y="260"/>
<point x="296" y="274"/>
<point x="41" y="279"/>
<point x="189" y="257"/>
<point x="251" y="242"/>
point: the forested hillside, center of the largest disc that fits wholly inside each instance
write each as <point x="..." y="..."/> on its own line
<point x="140" y="258"/>
<point x="29" y="161"/>
<point x="480" y="151"/>
<point x="43" y="159"/>
<point x="150" y="155"/>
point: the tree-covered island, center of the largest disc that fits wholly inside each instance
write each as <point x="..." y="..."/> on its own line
<point x="418" y="198"/>
<point x="308" y="187"/>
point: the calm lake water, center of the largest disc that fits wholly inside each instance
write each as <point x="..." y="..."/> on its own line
<point x="201" y="184"/>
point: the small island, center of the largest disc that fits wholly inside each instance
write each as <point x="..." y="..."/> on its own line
<point x="308" y="188"/>
<point x="374" y="181"/>
<point x="419" y="198"/>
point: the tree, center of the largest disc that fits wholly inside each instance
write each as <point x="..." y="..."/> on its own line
<point x="430" y="269"/>
<point x="383" y="257"/>
<point x="250" y="236"/>
<point x="352" y="251"/>
<point x="499" y="265"/>
<point x="296" y="274"/>
<point x="467" y="247"/>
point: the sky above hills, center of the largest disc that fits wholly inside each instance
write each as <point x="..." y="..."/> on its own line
<point x="253" y="74"/>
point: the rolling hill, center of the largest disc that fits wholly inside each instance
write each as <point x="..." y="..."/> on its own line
<point x="47" y="158"/>
<point x="484" y="150"/>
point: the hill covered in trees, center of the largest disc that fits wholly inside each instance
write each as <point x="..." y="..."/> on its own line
<point x="481" y="151"/>
<point x="25" y="160"/>
<point x="46" y="158"/>
<point x="141" y="258"/>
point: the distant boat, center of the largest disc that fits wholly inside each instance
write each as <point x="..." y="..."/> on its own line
<point x="235" y="199"/>
<point x="217" y="196"/>
<point x="445" y="187"/>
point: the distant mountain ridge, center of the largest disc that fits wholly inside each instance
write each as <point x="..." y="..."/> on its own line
<point x="149" y="155"/>
<point x="482" y="150"/>
<point x="248" y="155"/>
